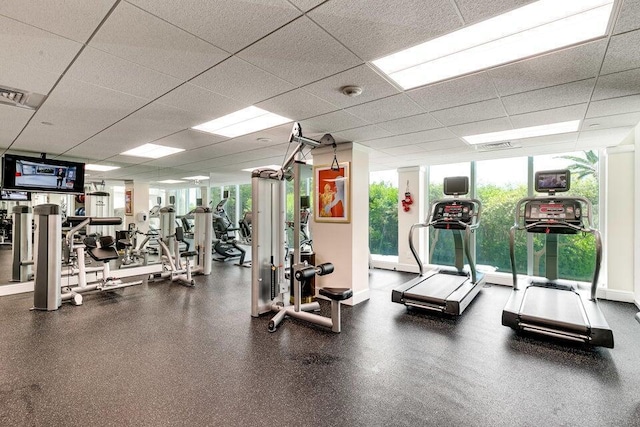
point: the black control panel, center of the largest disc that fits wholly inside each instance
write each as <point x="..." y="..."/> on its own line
<point x="553" y="216"/>
<point x="454" y="214"/>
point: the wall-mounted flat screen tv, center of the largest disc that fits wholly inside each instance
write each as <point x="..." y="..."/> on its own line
<point x="22" y="173"/>
<point x="15" y="196"/>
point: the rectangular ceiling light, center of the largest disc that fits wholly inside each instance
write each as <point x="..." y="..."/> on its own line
<point x="274" y="167"/>
<point x="537" y="28"/>
<point x="242" y="122"/>
<point x="196" y="178"/>
<point x="170" y="181"/>
<point x="100" y="168"/>
<point x="152" y="151"/>
<point x="529" y="132"/>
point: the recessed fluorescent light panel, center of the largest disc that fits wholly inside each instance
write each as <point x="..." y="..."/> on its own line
<point x="196" y="178"/>
<point x="100" y="168"/>
<point x="170" y="181"/>
<point x="536" y="28"/>
<point x="274" y="167"/>
<point x="152" y="151"/>
<point x="529" y="132"/>
<point x="242" y="122"/>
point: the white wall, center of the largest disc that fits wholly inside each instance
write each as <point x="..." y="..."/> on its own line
<point x="415" y="177"/>
<point x="636" y="273"/>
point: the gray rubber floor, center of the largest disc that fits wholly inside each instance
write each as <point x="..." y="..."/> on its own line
<point x="162" y="354"/>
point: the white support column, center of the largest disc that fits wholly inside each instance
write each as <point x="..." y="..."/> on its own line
<point x="140" y="204"/>
<point x="414" y="176"/>
<point x="346" y="245"/>
<point x="636" y="220"/>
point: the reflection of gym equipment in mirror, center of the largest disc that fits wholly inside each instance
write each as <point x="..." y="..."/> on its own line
<point x="269" y="288"/>
<point x="549" y="305"/>
<point x="446" y="290"/>
<point x="228" y="245"/>
<point x="49" y="292"/>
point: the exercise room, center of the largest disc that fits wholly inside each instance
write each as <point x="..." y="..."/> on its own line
<point x="320" y="212"/>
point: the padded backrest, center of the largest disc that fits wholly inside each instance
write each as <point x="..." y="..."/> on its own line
<point x="90" y="242"/>
<point x="106" y="241"/>
<point x="179" y="234"/>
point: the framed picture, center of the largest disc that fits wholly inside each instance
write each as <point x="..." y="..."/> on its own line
<point x="332" y="194"/>
<point x="128" y="202"/>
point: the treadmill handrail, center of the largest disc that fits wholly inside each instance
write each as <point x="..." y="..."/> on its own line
<point x="469" y="228"/>
<point x="587" y="227"/>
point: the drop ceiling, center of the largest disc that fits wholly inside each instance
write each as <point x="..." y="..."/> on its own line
<point x="118" y="74"/>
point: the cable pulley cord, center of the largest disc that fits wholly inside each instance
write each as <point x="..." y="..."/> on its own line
<point x="334" y="165"/>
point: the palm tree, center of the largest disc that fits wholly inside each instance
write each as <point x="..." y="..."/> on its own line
<point x="584" y="166"/>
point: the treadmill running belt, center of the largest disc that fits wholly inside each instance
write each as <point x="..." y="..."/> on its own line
<point x="555" y="308"/>
<point x="435" y="288"/>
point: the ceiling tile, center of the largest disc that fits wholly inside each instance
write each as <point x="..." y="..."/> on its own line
<point x="383" y="110"/>
<point x="603" y="137"/>
<point x="240" y="80"/>
<point x="140" y="37"/>
<point x="475" y="112"/>
<point x="30" y="47"/>
<point x="190" y="139"/>
<point x="306" y="5"/>
<point x="475" y="11"/>
<point x="446" y="144"/>
<point x="402" y="150"/>
<point x="300" y="53"/>
<point x="77" y="110"/>
<point x="297" y="105"/>
<point x="102" y="69"/>
<point x="373" y="87"/>
<point x="619" y="120"/>
<point x="12" y="120"/>
<point x="205" y="103"/>
<point x="363" y="133"/>
<point x="410" y="138"/>
<point x="73" y="19"/>
<point x="374" y="28"/>
<point x="485" y="126"/>
<point x="332" y="122"/>
<point x="411" y="124"/>
<point x="26" y="78"/>
<point x="226" y="24"/>
<point x="460" y="91"/>
<point x="568" y="65"/>
<point x="617" y="84"/>
<point x="554" y="115"/>
<point x="629" y="17"/>
<point x="610" y="107"/>
<point x="623" y="53"/>
<point x="552" y="97"/>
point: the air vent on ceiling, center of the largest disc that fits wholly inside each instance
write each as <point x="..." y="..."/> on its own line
<point x="20" y="98"/>
<point x="494" y="146"/>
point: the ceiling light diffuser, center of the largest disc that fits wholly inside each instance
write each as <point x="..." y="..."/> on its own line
<point x="242" y="122"/>
<point x="196" y="178"/>
<point x="274" y="167"/>
<point x="100" y="168"/>
<point x="152" y="151"/>
<point x="533" y="29"/>
<point x="528" y="132"/>
<point x="170" y="181"/>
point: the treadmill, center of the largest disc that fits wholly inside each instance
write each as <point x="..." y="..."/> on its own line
<point x="445" y="289"/>
<point x="551" y="306"/>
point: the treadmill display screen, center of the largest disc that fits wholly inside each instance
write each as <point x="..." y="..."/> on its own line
<point x="452" y="214"/>
<point x="552" y="216"/>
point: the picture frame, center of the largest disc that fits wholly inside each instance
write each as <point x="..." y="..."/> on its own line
<point x="332" y="194"/>
<point x="128" y="202"/>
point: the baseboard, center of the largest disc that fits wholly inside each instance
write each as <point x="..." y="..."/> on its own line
<point x="358" y="297"/>
<point x="614" y="295"/>
<point x="394" y="266"/>
<point x="17" y="288"/>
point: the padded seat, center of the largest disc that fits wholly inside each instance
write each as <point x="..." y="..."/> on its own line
<point x="188" y="254"/>
<point x="104" y="254"/>
<point x="336" y="294"/>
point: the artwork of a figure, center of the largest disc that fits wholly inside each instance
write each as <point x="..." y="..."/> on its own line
<point x="332" y="195"/>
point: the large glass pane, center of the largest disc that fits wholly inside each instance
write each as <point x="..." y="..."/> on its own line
<point x="383" y="213"/>
<point x="306" y="189"/>
<point x="500" y="184"/>
<point x="576" y="253"/>
<point x="441" y="244"/>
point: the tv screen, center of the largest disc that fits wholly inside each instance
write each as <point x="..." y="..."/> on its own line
<point x="556" y="181"/>
<point x="22" y="173"/>
<point x="15" y="196"/>
<point x="456" y="185"/>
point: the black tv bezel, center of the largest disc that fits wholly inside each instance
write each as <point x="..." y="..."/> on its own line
<point x="539" y="189"/>
<point x="5" y="190"/>
<point x="453" y="183"/>
<point x="9" y="173"/>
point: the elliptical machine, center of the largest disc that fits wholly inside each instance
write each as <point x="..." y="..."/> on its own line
<point x="225" y="245"/>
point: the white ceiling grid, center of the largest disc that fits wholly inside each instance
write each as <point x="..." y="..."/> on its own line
<point x="121" y="73"/>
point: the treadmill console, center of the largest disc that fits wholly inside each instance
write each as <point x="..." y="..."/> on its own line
<point x="453" y="214"/>
<point x="552" y="216"/>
